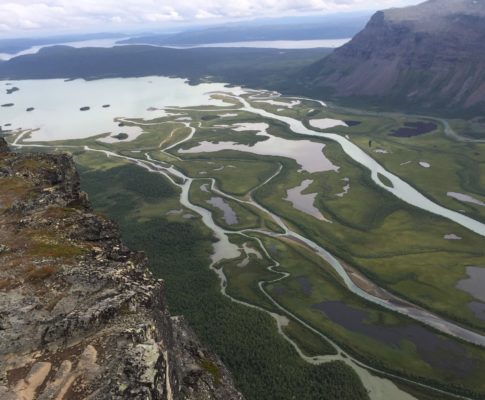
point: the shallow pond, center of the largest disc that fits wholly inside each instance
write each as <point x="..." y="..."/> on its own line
<point x="326" y="123"/>
<point x="439" y="352"/>
<point x="308" y="154"/>
<point x="465" y="198"/>
<point x="230" y="217"/>
<point x="478" y="309"/>
<point x="304" y="202"/>
<point x="474" y="284"/>
<point x="411" y="129"/>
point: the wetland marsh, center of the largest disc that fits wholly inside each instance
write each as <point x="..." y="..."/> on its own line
<point x="365" y="292"/>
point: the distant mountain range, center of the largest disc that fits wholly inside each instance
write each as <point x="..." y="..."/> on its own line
<point x="336" y="26"/>
<point x="429" y="56"/>
<point x="332" y="26"/>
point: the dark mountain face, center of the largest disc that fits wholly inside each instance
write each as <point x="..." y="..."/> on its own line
<point x="430" y="56"/>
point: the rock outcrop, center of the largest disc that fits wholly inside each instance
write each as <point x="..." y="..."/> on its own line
<point x="429" y="56"/>
<point x="81" y="317"/>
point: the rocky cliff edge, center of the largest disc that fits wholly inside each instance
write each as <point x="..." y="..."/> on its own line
<point x="81" y="317"/>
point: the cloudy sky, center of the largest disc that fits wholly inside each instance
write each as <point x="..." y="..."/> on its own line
<point x="29" y="16"/>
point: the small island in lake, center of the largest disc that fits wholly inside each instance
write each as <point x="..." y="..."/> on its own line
<point x="12" y="90"/>
<point x="121" y="136"/>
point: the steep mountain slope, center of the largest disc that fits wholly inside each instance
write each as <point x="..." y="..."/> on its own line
<point x="80" y="315"/>
<point x="430" y="56"/>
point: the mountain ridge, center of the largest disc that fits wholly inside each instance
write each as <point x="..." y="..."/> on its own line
<point x="430" y="56"/>
<point x="336" y="26"/>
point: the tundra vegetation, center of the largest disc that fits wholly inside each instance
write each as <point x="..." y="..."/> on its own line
<point x="397" y="246"/>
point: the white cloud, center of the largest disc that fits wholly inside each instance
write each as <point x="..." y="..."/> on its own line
<point x="25" y="15"/>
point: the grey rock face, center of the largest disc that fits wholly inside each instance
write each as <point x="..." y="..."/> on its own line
<point x="430" y="55"/>
<point x="80" y="314"/>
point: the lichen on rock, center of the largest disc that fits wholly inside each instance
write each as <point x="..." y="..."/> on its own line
<point x="80" y="314"/>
